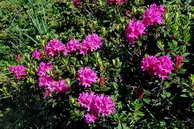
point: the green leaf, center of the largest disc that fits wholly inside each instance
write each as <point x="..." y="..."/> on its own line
<point x="122" y="126"/>
<point x="146" y="100"/>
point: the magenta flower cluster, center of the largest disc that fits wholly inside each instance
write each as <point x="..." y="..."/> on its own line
<point x="19" y="71"/>
<point x="153" y="15"/>
<point x="133" y="30"/>
<point x="47" y="82"/>
<point x="36" y="54"/>
<point x="136" y="28"/>
<point x="86" y="76"/>
<point x="91" y="43"/>
<point x="90" y="118"/>
<point x="96" y="105"/>
<point x="71" y="46"/>
<point x="158" y="66"/>
<point x="54" y="47"/>
<point x="44" y="67"/>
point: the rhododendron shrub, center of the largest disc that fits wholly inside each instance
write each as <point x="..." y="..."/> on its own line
<point x="96" y="64"/>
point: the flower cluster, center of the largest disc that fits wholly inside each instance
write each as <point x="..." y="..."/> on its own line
<point x="47" y="82"/>
<point x="90" y="118"/>
<point x="54" y="86"/>
<point x="95" y="105"/>
<point x="153" y="15"/>
<point x="115" y="1"/>
<point x="149" y="64"/>
<point x="86" y="76"/>
<point x="44" y="67"/>
<point x="19" y="71"/>
<point x="133" y="30"/>
<point x="91" y="43"/>
<point x="54" y="47"/>
<point x="136" y="28"/>
<point x="36" y="54"/>
<point x="44" y="81"/>
<point x="71" y="46"/>
<point x="160" y="66"/>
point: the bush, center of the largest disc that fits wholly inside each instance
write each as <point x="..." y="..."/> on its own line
<point x="134" y="97"/>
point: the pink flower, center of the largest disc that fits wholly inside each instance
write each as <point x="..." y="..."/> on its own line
<point x="48" y="83"/>
<point x="179" y="60"/>
<point x="19" y="71"/>
<point x="51" y="85"/>
<point x="96" y="105"/>
<point x="44" y="67"/>
<point x="76" y="2"/>
<point x="104" y="105"/>
<point x="86" y="76"/>
<point x="160" y="66"/>
<point x="54" y="47"/>
<point x="47" y="93"/>
<point x="91" y="43"/>
<point x="164" y="67"/>
<point x="36" y="54"/>
<point x="133" y="30"/>
<point x="59" y="86"/>
<point x="116" y="1"/>
<point x="45" y="81"/>
<point x="72" y="46"/>
<point x="153" y="15"/>
<point x="149" y="64"/>
<point x="90" y="118"/>
<point x="83" y="49"/>
<point x="86" y="99"/>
